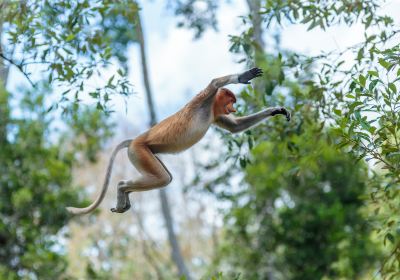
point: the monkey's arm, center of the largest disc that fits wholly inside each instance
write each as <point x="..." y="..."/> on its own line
<point x="239" y="124"/>
<point x="243" y="78"/>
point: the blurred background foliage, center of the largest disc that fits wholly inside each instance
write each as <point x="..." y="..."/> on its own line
<point x="315" y="198"/>
<point x="37" y="167"/>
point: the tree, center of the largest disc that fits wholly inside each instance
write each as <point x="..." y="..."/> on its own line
<point x="352" y="95"/>
<point x="165" y="206"/>
<point x="368" y="124"/>
<point x="35" y="188"/>
<point x="64" y="40"/>
<point x="37" y="157"/>
<point x="299" y="218"/>
<point x="123" y="29"/>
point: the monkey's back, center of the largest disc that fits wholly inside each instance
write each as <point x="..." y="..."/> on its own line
<point x="179" y="131"/>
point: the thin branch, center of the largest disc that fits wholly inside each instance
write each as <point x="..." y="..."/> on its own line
<point x="35" y="62"/>
<point x="20" y="68"/>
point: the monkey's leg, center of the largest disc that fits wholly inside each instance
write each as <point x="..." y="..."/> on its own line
<point x="153" y="175"/>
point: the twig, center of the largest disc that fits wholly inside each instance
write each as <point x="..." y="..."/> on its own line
<point x="20" y="68"/>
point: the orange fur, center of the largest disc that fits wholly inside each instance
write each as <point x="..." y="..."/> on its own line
<point x="223" y="103"/>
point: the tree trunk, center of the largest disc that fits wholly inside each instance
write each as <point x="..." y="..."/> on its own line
<point x="256" y="20"/>
<point x="166" y="210"/>
<point x="3" y="69"/>
<point x="4" y="109"/>
<point x="259" y="86"/>
<point x="254" y="8"/>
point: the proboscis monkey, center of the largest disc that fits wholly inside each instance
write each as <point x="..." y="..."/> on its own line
<point x="178" y="132"/>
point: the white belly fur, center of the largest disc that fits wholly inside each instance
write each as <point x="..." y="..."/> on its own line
<point x="197" y="129"/>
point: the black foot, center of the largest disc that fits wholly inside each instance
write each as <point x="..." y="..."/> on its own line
<point x="120" y="210"/>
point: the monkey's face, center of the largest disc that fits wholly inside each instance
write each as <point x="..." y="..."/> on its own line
<point x="224" y="102"/>
<point x="229" y="107"/>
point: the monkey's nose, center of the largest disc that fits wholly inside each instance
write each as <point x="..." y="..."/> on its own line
<point x="231" y="109"/>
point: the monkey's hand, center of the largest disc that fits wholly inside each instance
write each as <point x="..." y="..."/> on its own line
<point x="245" y="77"/>
<point x="281" y="111"/>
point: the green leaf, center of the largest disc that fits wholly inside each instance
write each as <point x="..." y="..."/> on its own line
<point x="70" y="37"/>
<point x="281" y="77"/>
<point x="362" y="80"/>
<point x="110" y="80"/>
<point x="360" y="54"/>
<point x="269" y="87"/>
<point x="392" y="86"/>
<point x="370" y="38"/>
<point x="390" y="237"/>
<point x="353" y="105"/>
<point x="373" y="73"/>
<point x="365" y="125"/>
<point x="385" y="64"/>
<point x="337" y="112"/>
<point x="314" y="24"/>
<point x="372" y="85"/>
<point x="242" y="162"/>
<point x="357" y="114"/>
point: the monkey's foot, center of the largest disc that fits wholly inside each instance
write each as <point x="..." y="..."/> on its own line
<point x="122" y="207"/>
<point x="123" y="203"/>
<point x="120" y="210"/>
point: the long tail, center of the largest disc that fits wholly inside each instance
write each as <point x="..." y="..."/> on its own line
<point x="99" y="199"/>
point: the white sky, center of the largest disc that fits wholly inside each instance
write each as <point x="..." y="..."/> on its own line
<point x="179" y="67"/>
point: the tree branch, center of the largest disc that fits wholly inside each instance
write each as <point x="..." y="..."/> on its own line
<point x="19" y="66"/>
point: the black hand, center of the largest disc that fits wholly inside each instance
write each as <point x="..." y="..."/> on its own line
<point x="245" y="77"/>
<point x="281" y="111"/>
<point x="288" y="115"/>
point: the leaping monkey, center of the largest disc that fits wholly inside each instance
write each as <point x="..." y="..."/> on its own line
<point x="177" y="133"/>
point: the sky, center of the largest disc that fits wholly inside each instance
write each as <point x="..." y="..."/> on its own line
<point x="180" y="67"/>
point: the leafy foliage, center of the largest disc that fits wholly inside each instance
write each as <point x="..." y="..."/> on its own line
<point x="35" y="188"/>
<point x="65" y="41"/>
<point x="354" y="91"/>
<point x="322" y="14"/>
<point x="196" y="15"/>
<point x="89" y="131"/>
<point x="120" y="27"/>
<point x="299" y="218"/>
<point x="359" y="95"/>
<point x="369" y="125"/>
<point x="298" y="212"/>
<point x="37" y="162"/>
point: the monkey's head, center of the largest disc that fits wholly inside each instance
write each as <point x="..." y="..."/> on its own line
<point x="224" y="100"/>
